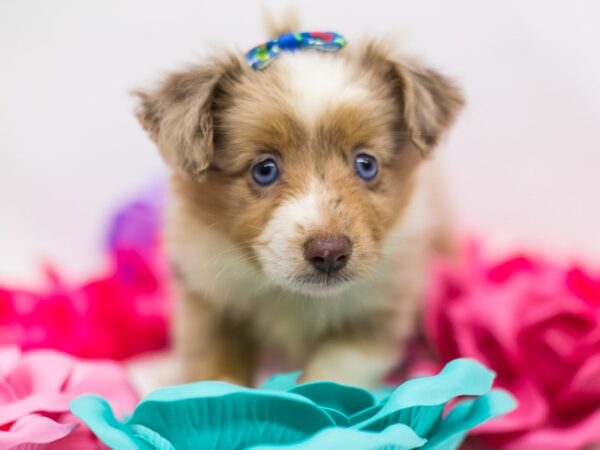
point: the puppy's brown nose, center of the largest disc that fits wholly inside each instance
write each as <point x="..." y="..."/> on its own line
<point x="328" y="253"/>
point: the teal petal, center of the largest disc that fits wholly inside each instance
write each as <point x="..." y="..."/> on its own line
<point x="282" y="382"/>
<point x="467" y="415"/>
<point x="419" y="403"/>
<point x="420" y="418"/>
<point x="347" y="400"/>
<point x="366" y="414"/>
<point x="340" y="419"/>
<point x="383" y="393"/>
<point x="210" y="415"/>
<point x="98" y="416"/>
<point x="395" y="437"/>
<point x="152" y="438"/>
<point x="338" y="400"/>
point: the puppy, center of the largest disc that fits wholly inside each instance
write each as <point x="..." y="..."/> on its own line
<point x="302" y="209"/>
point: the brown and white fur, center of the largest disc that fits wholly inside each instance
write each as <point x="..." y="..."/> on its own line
<point x="237" y="249"/>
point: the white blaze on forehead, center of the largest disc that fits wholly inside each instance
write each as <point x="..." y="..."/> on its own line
<point x="281" y="241"/>
<point x="316" y="80"/>
<point x="303" y="210"/>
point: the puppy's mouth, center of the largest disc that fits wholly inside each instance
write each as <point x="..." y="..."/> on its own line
<point x="322" y="284"/>
<point x="318" y="279"/>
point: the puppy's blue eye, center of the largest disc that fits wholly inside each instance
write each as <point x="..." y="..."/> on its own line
<point x="265" y="172"/>
<point x="365" y="166"/>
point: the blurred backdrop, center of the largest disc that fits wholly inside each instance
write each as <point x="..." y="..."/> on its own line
<point x="521" y="165"/>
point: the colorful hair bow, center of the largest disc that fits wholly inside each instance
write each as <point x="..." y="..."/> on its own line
<point x="261" y="56"/>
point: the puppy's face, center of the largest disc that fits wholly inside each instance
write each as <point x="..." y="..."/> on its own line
<point x="307" y="165"/>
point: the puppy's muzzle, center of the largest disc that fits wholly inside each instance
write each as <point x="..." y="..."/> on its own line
<point x="328" y="254"/>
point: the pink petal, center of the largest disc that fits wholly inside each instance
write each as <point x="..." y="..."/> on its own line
<point x="9" y="357"/>
<point x="50" y="402"/>
<point x="506" y="269"/>
<point x="80" y="439"/>
<point x="584" y="286"/>
<point x="34" y="430"/>
<point x="574" y="437"/>
<point x="106" y="379"/>
<point x="532" y="411"/>
<point x="583" y="392"/>
<point x="7" y="394"/>
<point x="40" y="371"/>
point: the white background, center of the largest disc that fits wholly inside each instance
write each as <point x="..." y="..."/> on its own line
<point x="522" y="164"/>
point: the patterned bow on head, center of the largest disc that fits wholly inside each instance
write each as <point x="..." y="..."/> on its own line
<point x="263" y="55"/>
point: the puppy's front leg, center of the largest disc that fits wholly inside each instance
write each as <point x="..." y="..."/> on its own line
<point x="211" y="346"/>
<point x="360" y="362"/>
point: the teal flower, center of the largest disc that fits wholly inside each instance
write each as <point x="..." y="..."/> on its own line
<point x="311" y="416"/>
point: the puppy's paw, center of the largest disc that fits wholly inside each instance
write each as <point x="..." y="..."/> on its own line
<point x="362" y="366"/>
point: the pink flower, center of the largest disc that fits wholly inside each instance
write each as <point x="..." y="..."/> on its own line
<point x="35" y="391"/>
<point x="122" y="312"/>
<point x="538" y="326"/>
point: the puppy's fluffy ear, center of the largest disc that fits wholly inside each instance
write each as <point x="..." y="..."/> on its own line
<point x="429" y="100"/>
<point x="431" y="104"/>
<point x="179" y="115"/>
